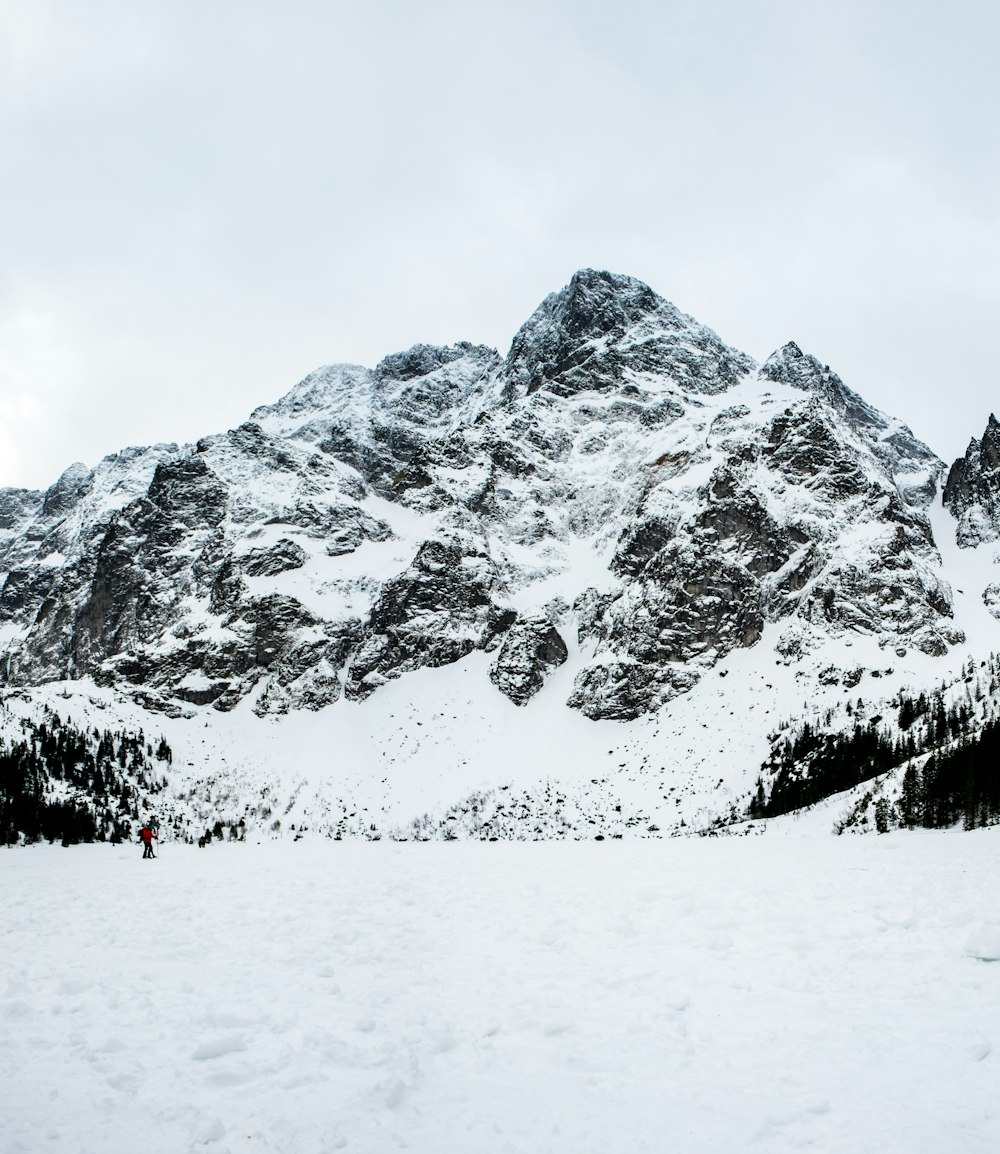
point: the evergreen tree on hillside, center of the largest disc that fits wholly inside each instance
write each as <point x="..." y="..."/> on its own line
<point x="958" y="782"/>
<point x="62" y="783"/>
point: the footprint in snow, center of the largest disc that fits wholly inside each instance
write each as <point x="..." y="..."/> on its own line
<point x="218" y="1047"/>
<point x="127" y="1083"/>
<point x="206" y="1128"/>
<point x="984" y="944"/>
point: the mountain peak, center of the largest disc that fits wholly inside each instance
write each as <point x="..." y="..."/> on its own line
<point x="422" y="360"/>
<point x="596" y="303"/>
<point x="972" y="491"/>
<point x="604" y="327"/>
<point x="791" y="366"/>
<point x="61" y="495"/>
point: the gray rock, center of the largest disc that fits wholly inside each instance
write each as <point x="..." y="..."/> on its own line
<point x="279" y="558"/>
<point x="588" y="334"/>
<point x="972" y="490"/>
<point x="622" y="690"/>
<point x="530" y="649"/>
<point x="435" y="613"/>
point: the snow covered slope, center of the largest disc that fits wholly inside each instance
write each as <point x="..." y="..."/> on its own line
<point x="401" y="589"/>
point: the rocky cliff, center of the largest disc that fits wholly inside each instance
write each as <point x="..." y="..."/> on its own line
<point x="623" y="490"/>
<point x="972" y="490"/>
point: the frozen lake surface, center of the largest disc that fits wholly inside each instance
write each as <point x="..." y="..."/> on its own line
<point x="768" y="994"/>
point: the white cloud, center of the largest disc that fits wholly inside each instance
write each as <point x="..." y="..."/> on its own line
<point x="221" y="197"/>
<point x="39" y="373"/>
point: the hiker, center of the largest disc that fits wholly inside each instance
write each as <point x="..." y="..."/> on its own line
<point x="147" y="834"/>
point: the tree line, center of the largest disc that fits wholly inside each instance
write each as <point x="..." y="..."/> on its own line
<point x="60" y="782"/>
<point x="958" y="782"/>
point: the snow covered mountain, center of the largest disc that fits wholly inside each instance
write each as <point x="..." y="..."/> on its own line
<point x="577" y="534"/>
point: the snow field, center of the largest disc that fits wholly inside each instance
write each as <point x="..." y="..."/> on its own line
<point x="771" y="994"/>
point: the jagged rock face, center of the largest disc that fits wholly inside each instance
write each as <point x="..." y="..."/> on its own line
<point x="278" y="558"/>
<point x="67" y="491"/>
<point x="675" y="498"/>
<point x="622" y="690"/>
<point x="18" y="507"/>
<point x="436" y="612"/>
<point x="603" y="328"/>
<point x="972" y="491"/>
<point x="530" y="649"/>
<point x="914" y="466"/>
<point x="150" y="559"/>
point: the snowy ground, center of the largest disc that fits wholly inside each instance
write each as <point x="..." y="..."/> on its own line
<point x="770" y="994"/>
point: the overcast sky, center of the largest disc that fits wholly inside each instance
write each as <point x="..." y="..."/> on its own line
<point x="202" y="201"/>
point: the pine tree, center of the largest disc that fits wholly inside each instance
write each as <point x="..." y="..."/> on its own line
<point x="910" y="798"/>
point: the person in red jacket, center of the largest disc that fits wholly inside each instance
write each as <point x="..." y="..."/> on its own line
<point x="147" y="834"/>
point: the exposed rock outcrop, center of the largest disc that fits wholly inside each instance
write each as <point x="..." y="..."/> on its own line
<point x="530" y="649"/>
<point x="972" y="490"/>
